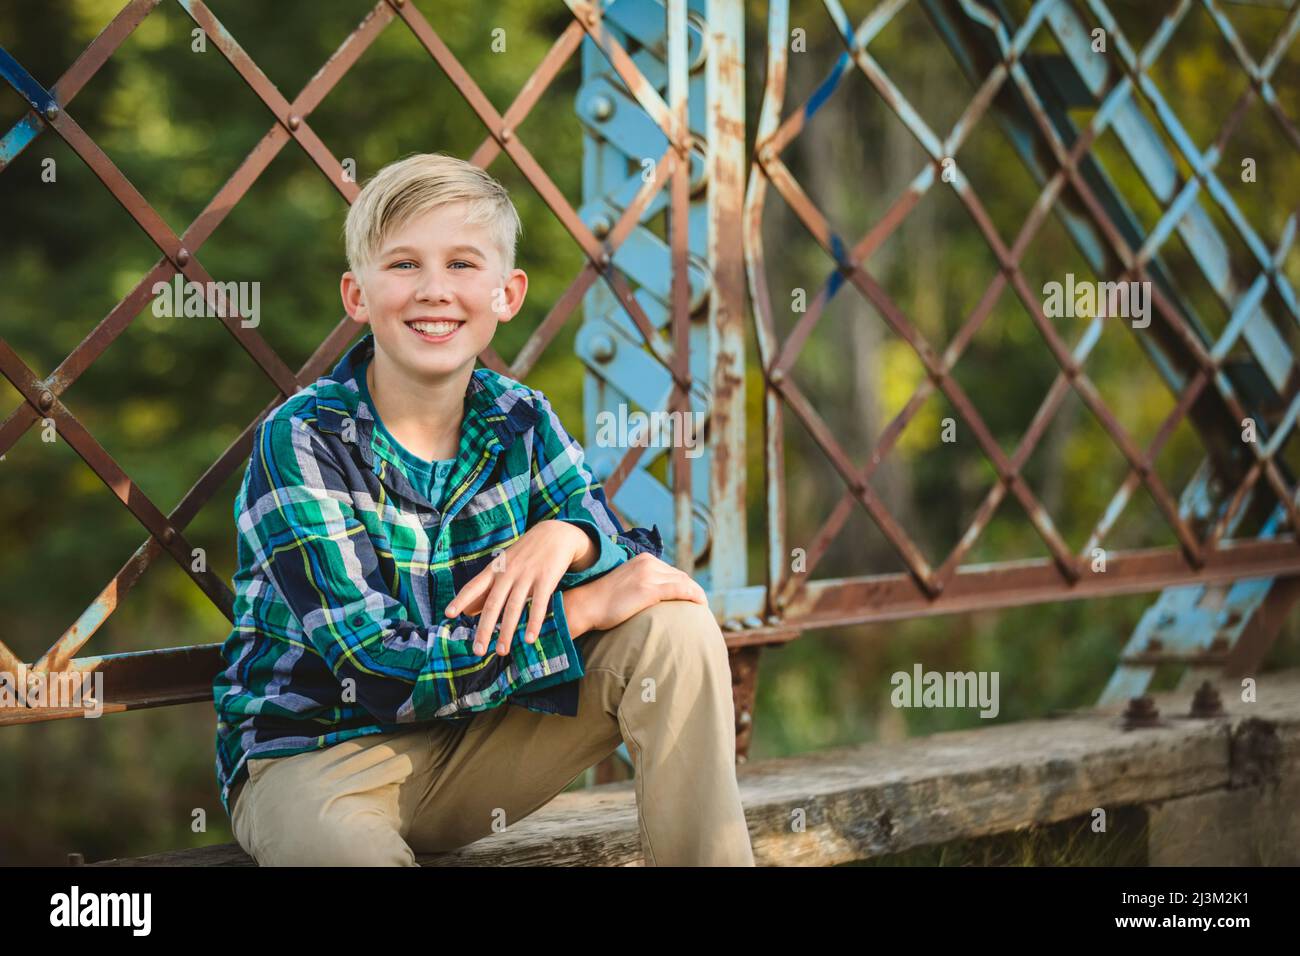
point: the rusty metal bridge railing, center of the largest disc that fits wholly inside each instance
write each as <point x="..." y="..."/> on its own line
<point x="663" y="87"/>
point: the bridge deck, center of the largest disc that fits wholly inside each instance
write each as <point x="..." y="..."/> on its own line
<point x="873" y="799"/>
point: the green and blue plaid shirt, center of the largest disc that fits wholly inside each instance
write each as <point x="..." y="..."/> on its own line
<point x="345" y="569"/>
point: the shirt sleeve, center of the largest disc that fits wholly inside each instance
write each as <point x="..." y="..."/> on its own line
<point x="299" y="519"/>
<point x="563" y="488"/>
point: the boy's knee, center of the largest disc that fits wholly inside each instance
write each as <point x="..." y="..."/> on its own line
<point x="684" y="627"/>
<point x="330" y="836"/>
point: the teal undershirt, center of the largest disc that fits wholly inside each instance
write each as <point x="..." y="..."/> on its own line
<point x="428" y="476"/>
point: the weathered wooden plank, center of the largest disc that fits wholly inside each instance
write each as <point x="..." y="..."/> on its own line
<point x="1250" y="826"/>
<point x="873" y="799"/>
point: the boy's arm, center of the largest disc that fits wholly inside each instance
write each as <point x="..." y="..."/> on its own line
<point x="299" y="520"/>
<point x="564" y="488"/>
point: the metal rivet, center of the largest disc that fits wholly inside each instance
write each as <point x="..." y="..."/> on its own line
<point x="295" y="121"/>
<point x="602" y="107"/>
<point x="169" y="535"/>
<point x="604" y="260"/>
<point x="51" y="111"/>
<point x="603" y="347"/>
<point x="777" y="376"/>
<point x="183" y="256"/>
<point x="601" y="226"/>
<point x="46" y="401"/>
<point x="506" y="133"/>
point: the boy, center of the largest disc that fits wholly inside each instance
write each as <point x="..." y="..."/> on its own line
<point x="393" y="515"/>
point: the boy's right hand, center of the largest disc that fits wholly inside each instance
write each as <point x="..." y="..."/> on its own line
<point x="630" y="588"/>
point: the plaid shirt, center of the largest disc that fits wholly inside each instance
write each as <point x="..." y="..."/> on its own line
<point x="345" y="570"/>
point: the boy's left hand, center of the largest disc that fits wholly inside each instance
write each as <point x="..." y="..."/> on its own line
<point x="528" y="569"/>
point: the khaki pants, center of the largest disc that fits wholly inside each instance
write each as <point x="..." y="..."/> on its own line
<point x="659" y="681"/>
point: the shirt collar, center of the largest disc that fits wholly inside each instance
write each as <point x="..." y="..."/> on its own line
<point x="502" y="407"/>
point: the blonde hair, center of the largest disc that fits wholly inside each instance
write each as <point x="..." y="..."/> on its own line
<point x="411" y="186"/>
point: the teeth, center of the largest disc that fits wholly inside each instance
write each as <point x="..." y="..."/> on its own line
<point x="435" y="328"/>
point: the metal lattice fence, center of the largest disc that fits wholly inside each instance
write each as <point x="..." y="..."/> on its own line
<point x="665" y="323"/>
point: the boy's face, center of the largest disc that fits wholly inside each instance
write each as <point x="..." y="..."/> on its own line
<point x="434" y="294"/>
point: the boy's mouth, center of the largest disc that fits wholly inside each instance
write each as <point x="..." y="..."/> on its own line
<point x="434" y="330"/>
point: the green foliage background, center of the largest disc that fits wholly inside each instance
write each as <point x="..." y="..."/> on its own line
<point x="170" y="394"/>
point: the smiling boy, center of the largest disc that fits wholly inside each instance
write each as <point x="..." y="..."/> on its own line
<point x="439" y="623"/>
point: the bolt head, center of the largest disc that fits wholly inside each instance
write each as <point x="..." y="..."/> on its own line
<point x="295" y="121"/>
<point x="51" y="111"/>
<point x="46" y="401"/>
<point x="183" y="257"/>
<point x="603" y="348"/>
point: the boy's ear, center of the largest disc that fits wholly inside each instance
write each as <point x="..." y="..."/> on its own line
<point x="508" y="298"/>
<point x="354" y="298"/>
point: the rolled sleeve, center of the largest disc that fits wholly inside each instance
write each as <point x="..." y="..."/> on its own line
<point x="609" y="554"/>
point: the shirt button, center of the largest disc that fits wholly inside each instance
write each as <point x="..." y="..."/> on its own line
<point x="358" y="621"/>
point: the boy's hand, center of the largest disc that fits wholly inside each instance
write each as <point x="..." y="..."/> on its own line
<point x="527" y="570"/>
<point x="630" y="588"/>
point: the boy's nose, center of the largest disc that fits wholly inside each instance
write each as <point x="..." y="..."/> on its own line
<point x="433" y="289"/>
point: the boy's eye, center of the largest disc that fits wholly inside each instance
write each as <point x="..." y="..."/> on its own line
<point x="404" y="262"/>
<point x="462" y="262"/>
